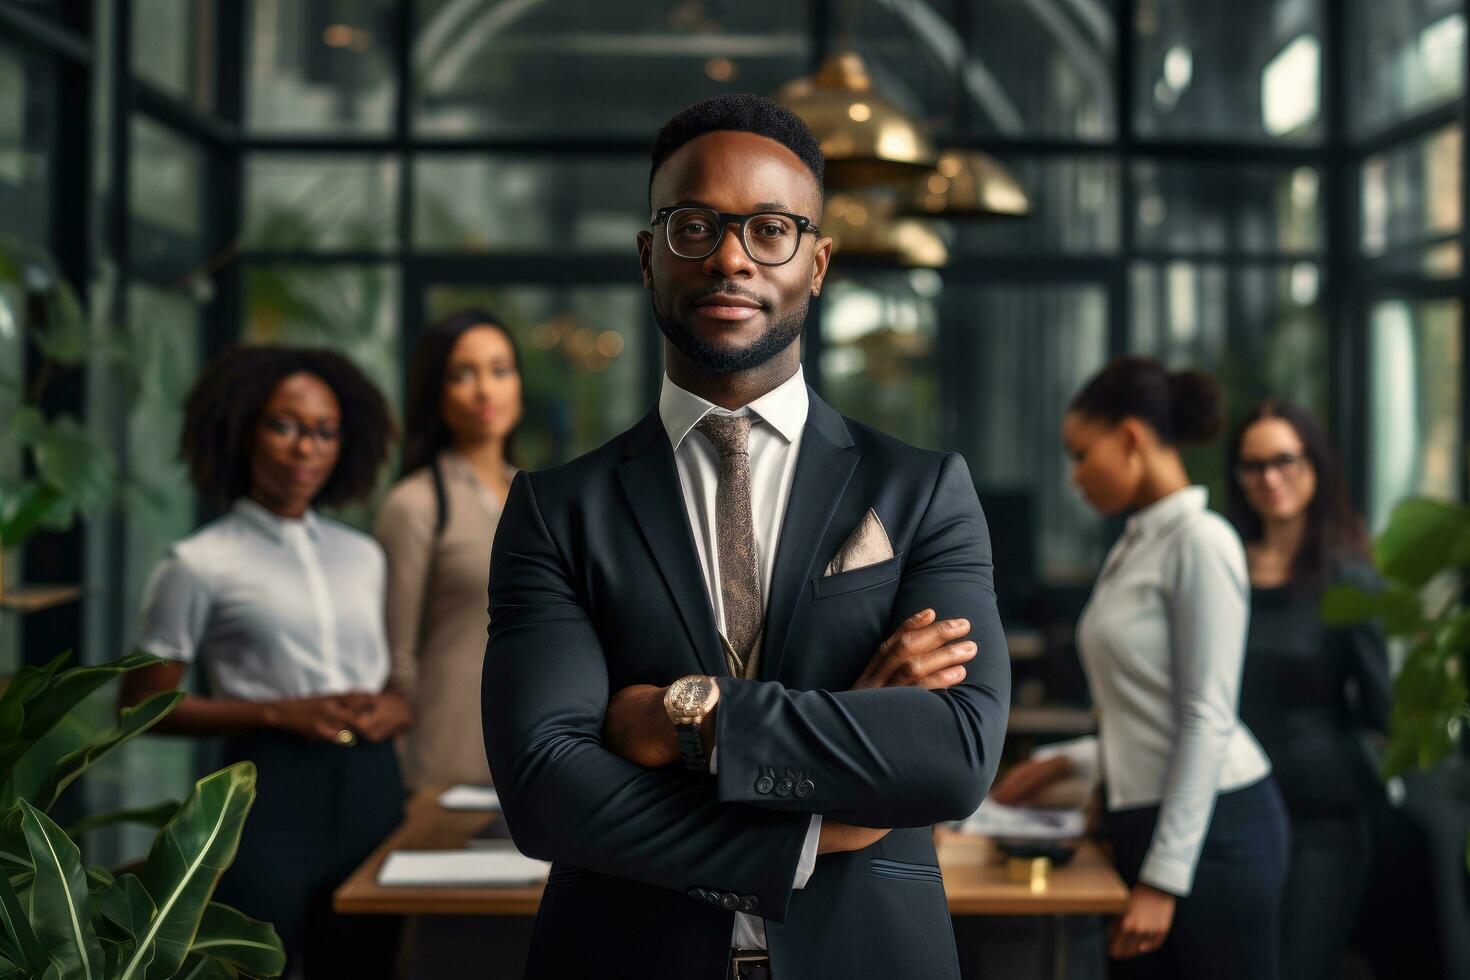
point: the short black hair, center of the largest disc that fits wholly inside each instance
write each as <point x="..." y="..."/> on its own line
<point x="740" y="112"/>
<point x="224" y="406"/>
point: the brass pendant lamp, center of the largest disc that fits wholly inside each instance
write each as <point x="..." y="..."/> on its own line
<point x="866" y="139"/>
<point x="866" y="226"/>
<point x="965" y="184"/>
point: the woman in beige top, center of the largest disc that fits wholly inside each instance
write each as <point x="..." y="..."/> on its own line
<point x="436" y="526"/>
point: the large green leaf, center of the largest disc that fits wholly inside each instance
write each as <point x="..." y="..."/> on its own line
<point x="45" y="708"/>
<point x="65" y="338"/>
<point x="1396" y="606"/>
<point x="28" y="684"/>
<point x="68" y="460"/>
<point x="22" y="946"/>
<point x="31" y="506"/>
<point x="1423" y="538"/>
<point x="36" y="703"/>
<point x="185" y="863"/>
<point x="149" y="816"/>
<point x="58" y="898"/>
<point x="27" y="425"/>
<point x="206" y="968"/>
<point x="133" y="722"/>
<point x="245" y="943"/>
<point x="126" y="910"/>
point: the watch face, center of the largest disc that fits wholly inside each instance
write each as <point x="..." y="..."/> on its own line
<point x="689" y="693"/>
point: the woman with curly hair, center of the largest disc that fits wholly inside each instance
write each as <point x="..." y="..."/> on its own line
<point x="436" y="526"/>
<point x="283" y="609"/>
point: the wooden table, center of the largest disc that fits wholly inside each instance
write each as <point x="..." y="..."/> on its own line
<point x="975" y="881"/>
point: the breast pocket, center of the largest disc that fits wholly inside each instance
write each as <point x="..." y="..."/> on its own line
<point x="868" y="577"/>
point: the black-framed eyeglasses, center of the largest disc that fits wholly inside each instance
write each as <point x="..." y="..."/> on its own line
<point x="768" y="237"/>
<point x="291" y="430"/>
<point x="1289" y="465"/>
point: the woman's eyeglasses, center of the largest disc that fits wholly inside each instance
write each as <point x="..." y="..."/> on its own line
<point x="291" y="430"/>
<point x="1289" y="465"/>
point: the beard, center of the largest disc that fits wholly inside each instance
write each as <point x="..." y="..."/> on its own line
<point x="724" y="360"/>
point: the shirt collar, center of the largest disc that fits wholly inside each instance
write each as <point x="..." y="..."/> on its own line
<point x="274" y="524"/>
<point x="1166" y="510"/>
<point x="784" y="407"/>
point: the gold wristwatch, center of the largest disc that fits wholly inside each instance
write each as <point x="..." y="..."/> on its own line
<point x="689" y="700"/>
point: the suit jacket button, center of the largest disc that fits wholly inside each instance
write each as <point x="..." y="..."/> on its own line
<point x="763" y="785"/>
<point x="731" y="901"/>
<point x="804" y="789"/>
<point x="749" y="903"/>
<point x="783" y="788"/>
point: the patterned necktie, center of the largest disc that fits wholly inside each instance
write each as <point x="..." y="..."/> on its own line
<point x="735" y="535"/>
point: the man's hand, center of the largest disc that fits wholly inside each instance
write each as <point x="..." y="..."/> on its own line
<point x="637" y="727"/>
<point x="921" y="653"/>
<point x="1143" y="925"/>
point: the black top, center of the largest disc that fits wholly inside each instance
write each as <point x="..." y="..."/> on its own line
<point x="1310" y="693"/>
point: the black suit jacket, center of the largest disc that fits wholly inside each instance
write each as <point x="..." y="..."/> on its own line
<point x="595" y="585"/>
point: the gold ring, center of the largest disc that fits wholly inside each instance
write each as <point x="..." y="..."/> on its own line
<point x="346" y="737"/>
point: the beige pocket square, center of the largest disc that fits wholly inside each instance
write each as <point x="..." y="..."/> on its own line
<point x="868" y="545"/>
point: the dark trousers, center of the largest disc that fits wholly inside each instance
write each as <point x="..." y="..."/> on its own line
<point x="1324" y="888"/>
<point x="320" y="809"/>
<point x="1228" y="926"/>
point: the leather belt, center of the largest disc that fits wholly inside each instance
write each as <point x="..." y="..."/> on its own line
<point x="749" y="964"/>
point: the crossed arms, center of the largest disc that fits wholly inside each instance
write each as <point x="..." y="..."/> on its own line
<point x="890" y="757"/>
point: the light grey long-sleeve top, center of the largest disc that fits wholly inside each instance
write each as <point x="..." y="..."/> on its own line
<point x="1162" y="642"/>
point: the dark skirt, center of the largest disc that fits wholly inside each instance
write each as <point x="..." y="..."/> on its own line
<point x="320" y="810"/>
<point x="1229" y="925"/>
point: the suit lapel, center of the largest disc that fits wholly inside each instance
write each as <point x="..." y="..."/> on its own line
<point x="822" y="473"/>
<point x="651" y="484"/>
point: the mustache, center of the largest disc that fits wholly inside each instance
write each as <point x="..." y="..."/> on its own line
<point x="731" y="289"/>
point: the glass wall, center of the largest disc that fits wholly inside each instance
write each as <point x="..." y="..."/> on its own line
<point x="1407" y="88"/>
<point x="1209" y="182"/>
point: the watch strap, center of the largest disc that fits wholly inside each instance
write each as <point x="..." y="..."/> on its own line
<point x="691" y="745"/>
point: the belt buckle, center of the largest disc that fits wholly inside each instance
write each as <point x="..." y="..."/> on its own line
<point x="752" y="957"/>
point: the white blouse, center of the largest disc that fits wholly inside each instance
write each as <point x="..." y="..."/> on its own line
<point x="276" y="608"/>
<point x="1162" y="641"/>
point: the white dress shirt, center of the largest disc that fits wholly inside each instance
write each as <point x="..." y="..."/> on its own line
<point x="775" y="443"/>
<point x="1163" y="642"/>
<point x="278" y="608"/>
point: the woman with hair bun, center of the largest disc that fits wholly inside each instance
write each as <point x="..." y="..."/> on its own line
<point x="1197" y="826"/>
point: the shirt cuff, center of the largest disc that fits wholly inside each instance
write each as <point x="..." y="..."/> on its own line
<point x="808" y="862"/>
<point x="1167" y="874"/>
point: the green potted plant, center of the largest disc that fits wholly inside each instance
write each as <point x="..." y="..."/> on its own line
<point x="60" y="919"/>
<point x="73" y="475"/>
<point x="1422" y="554"/>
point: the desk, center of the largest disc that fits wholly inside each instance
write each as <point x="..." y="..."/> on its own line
<point x="974" y="881"/>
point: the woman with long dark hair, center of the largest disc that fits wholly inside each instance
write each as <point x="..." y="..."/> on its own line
<point x="1310" y="693"/>
<point x="437" y="525"/>
<point x="1195" y="821"/>
<point x="282" y="608"/>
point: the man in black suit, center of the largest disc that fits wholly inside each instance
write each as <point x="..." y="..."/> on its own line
<point x="743" y="656"/>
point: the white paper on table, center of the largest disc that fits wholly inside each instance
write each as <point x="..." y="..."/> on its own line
<point x="462" y="868"/>
<point x="1024" y="822"/>
<point x="470" y="798"/>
